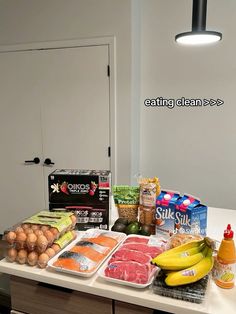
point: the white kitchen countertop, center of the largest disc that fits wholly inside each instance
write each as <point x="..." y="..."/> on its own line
<point x="217" y="301"/>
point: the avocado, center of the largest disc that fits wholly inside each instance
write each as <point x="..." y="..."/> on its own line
<point x="132" y="228"/>
<point x="118" y="227"/>
<point x="123" y="221"/>
<point x="145" y="230"/>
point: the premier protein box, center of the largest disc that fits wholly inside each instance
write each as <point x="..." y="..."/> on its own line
<point x="86" y="192"/>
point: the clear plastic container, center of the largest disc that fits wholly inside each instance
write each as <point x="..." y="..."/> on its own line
<point x="194" y="292"/>
<point x="129" y="212"/>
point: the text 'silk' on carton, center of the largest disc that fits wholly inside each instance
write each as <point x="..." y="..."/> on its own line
<point x="165" y="213"/>
<point x="190" y="216"/>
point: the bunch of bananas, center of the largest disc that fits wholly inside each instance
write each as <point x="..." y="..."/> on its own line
<point x="186" y="263"/>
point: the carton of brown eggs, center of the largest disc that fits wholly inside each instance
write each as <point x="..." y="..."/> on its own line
<point x="38" y="238"/>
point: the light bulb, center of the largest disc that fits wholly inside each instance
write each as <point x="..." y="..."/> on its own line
<point x="198" y="38"/>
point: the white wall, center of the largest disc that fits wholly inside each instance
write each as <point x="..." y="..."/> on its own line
<point x="27" y="21"/>
<point x="191" y="150"/>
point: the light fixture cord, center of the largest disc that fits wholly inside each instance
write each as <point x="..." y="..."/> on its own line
<point x="199" y="15"/>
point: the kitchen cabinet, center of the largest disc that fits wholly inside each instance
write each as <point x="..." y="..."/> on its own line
<point x="126" y="308"/>
<point x="36" y="298"/>
<point x="54" y="105"/>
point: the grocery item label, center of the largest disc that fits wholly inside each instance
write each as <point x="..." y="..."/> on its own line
<point x="65" y="239"/>
<point x="124" y="194"/>
<point x="148" y="194"/>
<point x="59" y="220"/>
<point x="157" y="241"/>
<point x="165" y="213"/>
<point x="92" y="233"/>
<point x="189" y="272"/>
<point x="84" y="187"/>
<point x="190" y="216"/>
<point x="224" y="272"/>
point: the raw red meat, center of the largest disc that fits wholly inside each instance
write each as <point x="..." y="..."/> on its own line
<point x="130" y="255"/>
<point x="128" y="271"/>
<point x="136" y="240"/>
<point x="144" y="248"/>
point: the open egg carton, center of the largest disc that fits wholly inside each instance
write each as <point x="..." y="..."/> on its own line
<point x="38" y="238"/>
<point x="194" y="292"/>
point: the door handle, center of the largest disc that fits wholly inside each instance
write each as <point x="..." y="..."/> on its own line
<point x="36" y="161"/>
<point x="48" y="162"/>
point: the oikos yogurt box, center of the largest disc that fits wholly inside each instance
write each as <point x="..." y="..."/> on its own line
<point x="85" y="192"/>
<point x="165" y="213"/>
<point x="190" y="216"/>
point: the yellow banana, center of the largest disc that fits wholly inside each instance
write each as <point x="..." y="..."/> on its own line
<point x="193" y="273"/>
<point x="183" y="247"/>
<point x="183" y="253"/>
<point x="180" y="261"/>
<point x="180" y="249"/>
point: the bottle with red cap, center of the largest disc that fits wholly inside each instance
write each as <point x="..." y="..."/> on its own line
<point x="225" y="263"/>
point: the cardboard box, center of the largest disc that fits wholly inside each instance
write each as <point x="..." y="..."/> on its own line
<point x="79" y="186"/>
<point x="87" y="216"/>
<point x="86" y="192"/>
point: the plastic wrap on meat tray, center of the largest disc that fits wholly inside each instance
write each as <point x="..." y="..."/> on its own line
<point x="130" y="263"/>
<point x="128" y="271"/>
<point x="141" y="247"/>
<point x="85" y="255"/>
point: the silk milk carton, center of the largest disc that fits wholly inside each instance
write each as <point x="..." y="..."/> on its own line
<point x="165" y="213"/>
<point x="190" y="216"/>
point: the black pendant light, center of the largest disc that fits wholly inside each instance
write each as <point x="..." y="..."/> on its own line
<point x="199" y="34"/>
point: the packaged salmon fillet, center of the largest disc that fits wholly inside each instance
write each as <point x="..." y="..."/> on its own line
<point x="86" y="253"/>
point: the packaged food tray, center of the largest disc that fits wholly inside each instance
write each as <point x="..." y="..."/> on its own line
<point x="87" y="252"/>
<point x="130" y="264"/>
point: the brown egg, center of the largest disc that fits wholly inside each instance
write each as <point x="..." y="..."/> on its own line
<point x="42" y="240"/>
<point x="11" y="254"/>
<point x="44" y="228"/>
<point x="20" y="240"/>
<point x="43" y="260"/>
<point x="32" y="258"/>
<point x="35" y="227"/>
<point x="41" y="243"/>
<point x="31" y="241"/>
<point x="73" y="219"/>
<point x="74" y="234"/>
<point x="19" y="230"/>
<point x="54" y="231"/>
<point x="22" y="256"/>
<point x="49" y="235"/>
<point x="28" y="231"/>
<point x="38" y="232"/>
<point x="50" y="252"/>
<point x="11" y="237"/>
<point x="25" y="226"/>
<point x="56" y="247"/>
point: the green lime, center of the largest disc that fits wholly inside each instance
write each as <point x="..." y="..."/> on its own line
<point x="132" y="228"/>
